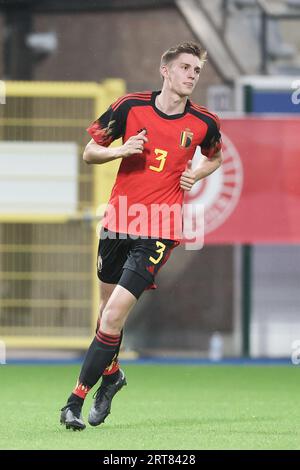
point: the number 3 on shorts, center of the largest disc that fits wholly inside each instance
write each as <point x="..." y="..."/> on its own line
<point x="160" y="251"/>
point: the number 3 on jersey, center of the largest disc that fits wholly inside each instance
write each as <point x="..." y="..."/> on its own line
<point x="161" y="157"/>
<point x="160" y="251"/>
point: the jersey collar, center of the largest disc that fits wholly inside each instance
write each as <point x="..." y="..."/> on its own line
<point x="167" y="116"/>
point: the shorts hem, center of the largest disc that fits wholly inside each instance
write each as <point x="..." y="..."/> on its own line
<point x="151" y="281"/>
<point x="110" y="281"/>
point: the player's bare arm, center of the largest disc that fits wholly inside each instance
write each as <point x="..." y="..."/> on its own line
<point x="98" y="154"/>
<point x="207" y="166"/>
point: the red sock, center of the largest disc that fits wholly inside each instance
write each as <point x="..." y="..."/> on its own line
<point x="81" y="390"/>
<point x="112" y="368"/>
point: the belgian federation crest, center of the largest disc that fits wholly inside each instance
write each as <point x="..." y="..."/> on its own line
<point x="186" y="138"/>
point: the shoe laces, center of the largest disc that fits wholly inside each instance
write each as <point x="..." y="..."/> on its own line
<point x="101" y="392"/>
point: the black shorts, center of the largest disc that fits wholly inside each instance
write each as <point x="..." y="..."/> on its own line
<point x="131" y="263"/>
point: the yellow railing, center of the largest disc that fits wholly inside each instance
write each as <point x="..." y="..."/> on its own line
<point x="49" y="289"/>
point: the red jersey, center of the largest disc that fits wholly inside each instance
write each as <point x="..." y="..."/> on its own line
<point x="146" y="199"/>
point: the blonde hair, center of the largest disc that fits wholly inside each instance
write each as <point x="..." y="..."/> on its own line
<point x="185" y="47"/>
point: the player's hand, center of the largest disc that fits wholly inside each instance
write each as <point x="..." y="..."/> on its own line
<point x="188" y="177"/>
<point x="135" y="144"/>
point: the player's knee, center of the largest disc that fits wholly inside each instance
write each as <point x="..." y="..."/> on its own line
<point x="102" y="307"/>
<point x="111" y="320"/>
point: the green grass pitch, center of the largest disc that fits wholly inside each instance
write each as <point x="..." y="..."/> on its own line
<point x="163" y="407"/>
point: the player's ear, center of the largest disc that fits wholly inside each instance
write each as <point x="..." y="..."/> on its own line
<point x="164" y="71"/>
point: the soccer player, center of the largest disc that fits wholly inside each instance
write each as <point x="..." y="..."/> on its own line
<point x="160" y="132"/>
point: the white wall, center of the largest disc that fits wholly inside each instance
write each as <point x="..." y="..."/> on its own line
<point x="276" y="300"/>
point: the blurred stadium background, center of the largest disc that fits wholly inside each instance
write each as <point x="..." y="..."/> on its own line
<point x="61" y="64"/>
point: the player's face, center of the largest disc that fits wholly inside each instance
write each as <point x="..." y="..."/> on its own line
<point x="182" y="74"/>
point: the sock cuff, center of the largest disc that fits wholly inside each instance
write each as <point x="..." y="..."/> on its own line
<point x="81" y="390"/>
<point x="107" y="339"/>
<point x="112" y="368"/>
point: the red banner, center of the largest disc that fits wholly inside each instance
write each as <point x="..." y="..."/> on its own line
<point x="255" y="196"/>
